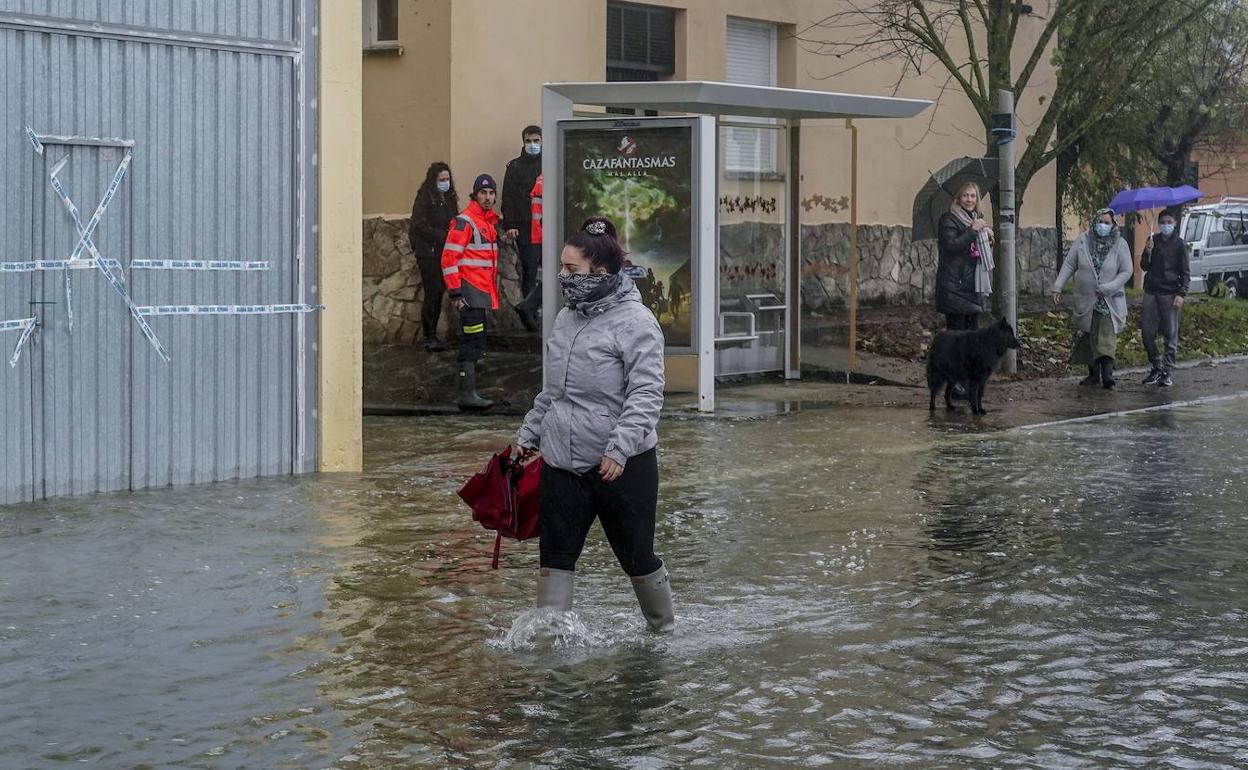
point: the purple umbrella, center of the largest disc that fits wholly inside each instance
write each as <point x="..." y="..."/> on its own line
<point x="1152" y="198"/>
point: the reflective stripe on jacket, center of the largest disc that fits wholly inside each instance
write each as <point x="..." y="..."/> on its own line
<point x="535" y="208"/>
<point x="470" y="257"/>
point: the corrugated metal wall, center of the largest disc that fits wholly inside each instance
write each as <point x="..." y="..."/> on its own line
<point x="218" y="173"/>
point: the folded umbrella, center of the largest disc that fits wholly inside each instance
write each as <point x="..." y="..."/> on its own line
<point x="505" y="497"/>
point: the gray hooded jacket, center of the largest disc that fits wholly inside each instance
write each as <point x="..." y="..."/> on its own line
<point x="604" y="384"/>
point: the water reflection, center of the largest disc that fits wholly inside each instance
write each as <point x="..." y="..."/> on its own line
<point x="855" y="588"/>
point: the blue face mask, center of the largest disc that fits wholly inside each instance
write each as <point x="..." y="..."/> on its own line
<point x="533" y="148"/>
<point x="444" y="186"/>
<point x="1167" y="228"/>
<point x="1103" y="229"/>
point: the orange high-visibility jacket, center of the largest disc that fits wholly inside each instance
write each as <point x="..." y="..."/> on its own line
<point x="535" y="207"/>
<point x="470" y="257"/>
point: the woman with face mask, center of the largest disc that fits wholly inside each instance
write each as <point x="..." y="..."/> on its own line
<point x="595" y="424"/>
<point x="435" y="206"/>
<point x="1100" y="262"/>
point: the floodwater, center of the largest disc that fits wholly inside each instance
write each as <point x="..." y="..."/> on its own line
<point x="856" y="588"/>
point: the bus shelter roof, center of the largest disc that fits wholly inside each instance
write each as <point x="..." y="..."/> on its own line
<point x="703" y="97"/>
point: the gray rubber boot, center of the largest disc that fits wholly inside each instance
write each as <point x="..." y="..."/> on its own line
<point x="468" y="398"/>
<point x="554" y="588"/>
<point x="654" y="594"/>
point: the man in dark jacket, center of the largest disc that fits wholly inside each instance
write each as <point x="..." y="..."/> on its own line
<point x="522" y="173"/>
<point x="1166" y="262"/>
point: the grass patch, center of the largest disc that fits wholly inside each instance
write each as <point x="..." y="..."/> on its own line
<point x="1208" y="328"/>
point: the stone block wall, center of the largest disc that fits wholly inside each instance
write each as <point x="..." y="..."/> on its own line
<point x="393" y="294"/>
<point x="893" y="270"/>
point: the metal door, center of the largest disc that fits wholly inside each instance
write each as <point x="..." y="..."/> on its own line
<point x="80" y="363"/>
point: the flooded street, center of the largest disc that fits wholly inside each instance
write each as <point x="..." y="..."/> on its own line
<point x="855" y="588"/>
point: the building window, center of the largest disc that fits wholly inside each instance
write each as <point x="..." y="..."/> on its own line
<point x="381" y="23"/>
<point x="751" y="58"/>
<point x="640" y="38"/>
<point x="641" y="45"/>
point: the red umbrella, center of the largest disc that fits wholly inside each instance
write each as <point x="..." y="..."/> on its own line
<point x="504" y="497"/>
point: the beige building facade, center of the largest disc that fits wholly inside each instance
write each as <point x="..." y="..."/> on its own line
<point x="463" y="78"/>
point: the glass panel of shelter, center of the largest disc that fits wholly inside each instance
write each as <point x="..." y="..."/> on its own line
<point x="752" y="173"/>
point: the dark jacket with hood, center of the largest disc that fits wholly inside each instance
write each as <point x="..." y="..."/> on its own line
<point x="432" y="213"/>
<point x="955" y="270"/>
<point x="522" y="173"/>
<point x="1166" y="264"/>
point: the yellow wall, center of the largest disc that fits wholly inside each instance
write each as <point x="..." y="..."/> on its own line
<point x="501" y="52"/>
<point x="407" y="108"/>
<point x="341" y="361"/>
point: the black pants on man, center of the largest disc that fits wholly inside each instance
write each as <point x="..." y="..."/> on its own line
<point x="471" y="335"/>
<point x="626" y="507"/>
<point x="434" y="290"/>
<point x="961" y="321"/>
<point x="530" y="266"/>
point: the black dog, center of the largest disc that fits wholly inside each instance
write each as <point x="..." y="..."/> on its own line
<point x="968" y="357"/>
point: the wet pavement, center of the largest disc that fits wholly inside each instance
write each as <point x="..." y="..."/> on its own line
<point x="858" y="586"/>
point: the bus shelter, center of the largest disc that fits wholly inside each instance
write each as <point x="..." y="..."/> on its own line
<point x="725" y="286"/>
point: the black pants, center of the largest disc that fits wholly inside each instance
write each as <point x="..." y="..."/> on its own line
<point x="626" y="508"/>
<point x="961" y="321"/>
<point x="530" y="267"/>
<point x="471" y="335"/>
<point x="434" y="289"/>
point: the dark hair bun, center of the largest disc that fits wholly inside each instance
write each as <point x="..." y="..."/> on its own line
<point x="597" y="240"/>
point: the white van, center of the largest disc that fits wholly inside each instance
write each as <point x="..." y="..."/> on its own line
<point x="1218" y="235"/>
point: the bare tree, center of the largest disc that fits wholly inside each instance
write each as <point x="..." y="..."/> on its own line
<point x="1105" y="45"/>
<point x="1191" y="98"/>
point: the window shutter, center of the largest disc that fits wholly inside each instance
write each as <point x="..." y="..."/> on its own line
<point x="750" y="58"/>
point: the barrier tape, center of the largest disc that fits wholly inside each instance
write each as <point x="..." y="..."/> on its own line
<point x="14" y="325"/>
<point x="34" y="140"/>
<point x="85" y="243"/>
<point x="27" y="325"/>
<point x="228" y="309"/>
<point x="55" y="264"/>
<point x="195" y="264"/>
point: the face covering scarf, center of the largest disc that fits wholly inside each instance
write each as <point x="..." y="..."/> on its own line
<point x="587" y="287"/>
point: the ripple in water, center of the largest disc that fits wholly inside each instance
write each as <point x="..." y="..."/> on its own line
<point x="548" y="628"/>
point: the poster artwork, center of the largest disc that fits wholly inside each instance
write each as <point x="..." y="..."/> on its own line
<point x="641" y="178"/>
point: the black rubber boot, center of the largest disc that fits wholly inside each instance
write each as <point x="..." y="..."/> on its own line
<point x="1094" y="376"/>
<point x="1107" y="372"/>
<point x="468" y="398"/>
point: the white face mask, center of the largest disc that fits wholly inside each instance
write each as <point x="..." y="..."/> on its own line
<point x="533" y="148"/>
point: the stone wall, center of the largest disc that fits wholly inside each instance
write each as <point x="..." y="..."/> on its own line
<point x="393" y="294"/>
<point x="893" y="270"/>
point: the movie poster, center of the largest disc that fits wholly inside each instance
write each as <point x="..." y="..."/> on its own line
<point x="641" y="178"/>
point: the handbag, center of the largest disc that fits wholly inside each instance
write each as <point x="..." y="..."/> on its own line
<point x="505" y="497"/>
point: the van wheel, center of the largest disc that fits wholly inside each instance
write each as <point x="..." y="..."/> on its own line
<point x="1232" y="288"/>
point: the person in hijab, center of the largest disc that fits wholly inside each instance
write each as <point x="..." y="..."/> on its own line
<point x="1100" y="263"/>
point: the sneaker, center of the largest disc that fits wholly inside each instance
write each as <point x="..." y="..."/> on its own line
<point x="1153" y="377"/>
<point x="1165" y="381"/>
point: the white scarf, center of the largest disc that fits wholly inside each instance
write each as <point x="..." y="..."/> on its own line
<point x="985" y="265"/>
